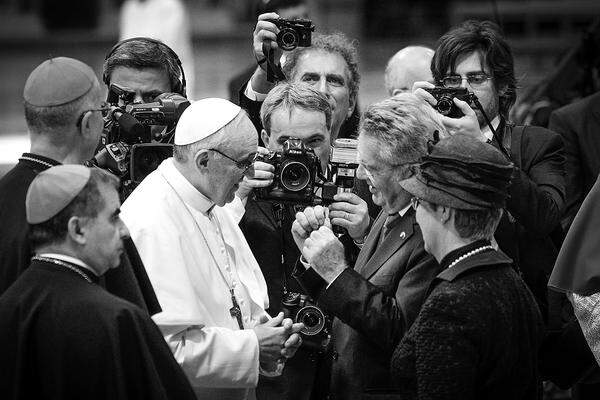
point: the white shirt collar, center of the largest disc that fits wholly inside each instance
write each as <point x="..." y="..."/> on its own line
<point x="188" y="193"/>
<point x="404" y="210"/>
<point x="69" y="259"/>
<point x="486" y="130"/>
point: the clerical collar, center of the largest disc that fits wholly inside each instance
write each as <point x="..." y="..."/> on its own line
<point x="76" y="265"/>
<point x="487" y="132"/>
<point x="186" y="191"/>
<point x="461" y="251"/>
<point x="38" y="161"/>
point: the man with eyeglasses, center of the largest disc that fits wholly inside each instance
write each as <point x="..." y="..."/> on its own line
<point x="62" y="101"/>
<point x="210" y="287"/>
<point x="475" y="55"/>
<point x="375" y="299"/>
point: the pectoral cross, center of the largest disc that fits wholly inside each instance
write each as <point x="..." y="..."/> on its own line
<point x="235" y="311"/>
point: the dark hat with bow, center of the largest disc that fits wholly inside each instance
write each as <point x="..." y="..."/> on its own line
<point x="462" y="172"/>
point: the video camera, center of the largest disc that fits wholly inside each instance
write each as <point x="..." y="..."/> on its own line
<point x="298" y="173"/>
<point x="137" y="137"/>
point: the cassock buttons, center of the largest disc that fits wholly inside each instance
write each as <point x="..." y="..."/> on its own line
<point x="402" y="235"/>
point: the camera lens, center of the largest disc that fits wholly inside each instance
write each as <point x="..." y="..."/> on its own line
<point x="295" y="176"/>
<point x="444" y="105"/>
<point x="287" y="39"/>
<point x="313" y="320"/>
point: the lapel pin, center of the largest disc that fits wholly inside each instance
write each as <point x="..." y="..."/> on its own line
<point x="402" y="235"/>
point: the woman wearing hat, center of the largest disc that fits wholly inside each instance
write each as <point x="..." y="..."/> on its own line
<point x="478" y="332"/>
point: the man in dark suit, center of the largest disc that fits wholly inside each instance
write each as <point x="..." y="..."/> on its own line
<point x="377" y="299"/>
<point x="474" y="55"/>
<point x="62" y="99"/>
<point x="293" y="110"/>
<point x="579" y="126"/>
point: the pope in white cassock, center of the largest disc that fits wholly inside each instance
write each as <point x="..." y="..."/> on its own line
<point x="209" y="285"/>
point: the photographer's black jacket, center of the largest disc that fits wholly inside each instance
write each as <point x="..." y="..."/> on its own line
<point x="129" y="281"/>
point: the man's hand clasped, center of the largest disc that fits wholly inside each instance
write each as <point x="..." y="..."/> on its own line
<point x="278" y="339"/>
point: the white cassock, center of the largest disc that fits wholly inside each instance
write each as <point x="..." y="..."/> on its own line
<point x="194" y="253"/>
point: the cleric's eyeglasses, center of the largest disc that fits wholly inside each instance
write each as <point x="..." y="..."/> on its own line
<point x="243" y="165"/>
<point x="475" y="79"/>
<point x="104" y="108"/>
<point x="414" y="202"/>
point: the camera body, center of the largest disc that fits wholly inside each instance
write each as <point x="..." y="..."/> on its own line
<point x="293" y="33"/>
<point x="136" y="136"/>
<point x="301" y="308"/>
<point x="296" y="171"/>
<point x="445" y="105"/>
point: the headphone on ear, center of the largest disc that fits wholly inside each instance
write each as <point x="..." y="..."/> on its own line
<point x="179" y="86"/>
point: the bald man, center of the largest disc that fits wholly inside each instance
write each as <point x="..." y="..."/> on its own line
<point x="409" y="65"/>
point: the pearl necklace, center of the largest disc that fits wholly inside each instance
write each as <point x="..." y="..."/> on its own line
<point x="469" y="254"/>
<point x="62" y="264"/>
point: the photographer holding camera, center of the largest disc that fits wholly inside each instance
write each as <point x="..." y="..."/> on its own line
<point x="474" y="56"/>
<point x="146" y="96"/>
<point x="63" y="111"/>
<point x="375" y="299"/>
<point x="329" y="63"/>
<point x="297" y="124"/>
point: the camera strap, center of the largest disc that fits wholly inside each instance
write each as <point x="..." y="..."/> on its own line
<point x="475" y="101"/>
<point x="274" y="71"/>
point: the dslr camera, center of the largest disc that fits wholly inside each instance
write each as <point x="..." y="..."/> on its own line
<point x="301" y="308"/>
<point x="137" y="137"/>
<point x="293" y="32"/>
<point x="445" y="105"/>
<point x="296" y="171"/>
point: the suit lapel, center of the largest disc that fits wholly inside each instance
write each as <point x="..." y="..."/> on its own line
<point x="390" y="245"/>
<point x="370" y="242"/>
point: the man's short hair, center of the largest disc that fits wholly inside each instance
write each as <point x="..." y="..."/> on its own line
<point x="290" y="95"/>
<point x="485" y="37"/>
<point x="87" y="204"/>
<point x="336" y="43"/>
<point x="402" y="125"/>
<point x="42" y="120"/>
<point x="477" y="224"/>
<point x="141" y="54"/>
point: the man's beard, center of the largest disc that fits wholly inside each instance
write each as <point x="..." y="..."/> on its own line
<point x="491" y="110"/>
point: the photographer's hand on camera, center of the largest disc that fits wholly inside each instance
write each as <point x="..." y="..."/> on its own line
<point x="277" y="338"/>
<point x="307" y="221"/>
<point x="467" y="124"/>
<point x="325" y="253"/>
<point x="259" y="176"/>
<point x="351" y="212"/>
<point x="264" y="31"/>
